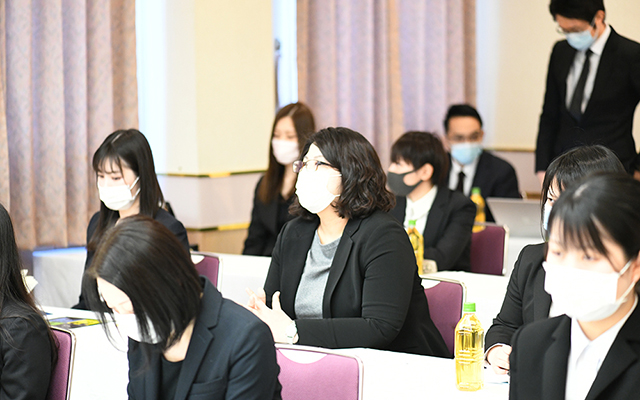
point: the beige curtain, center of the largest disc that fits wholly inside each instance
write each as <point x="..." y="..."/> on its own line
<point x="68" y="80"/>
<point x="385" y="67"/>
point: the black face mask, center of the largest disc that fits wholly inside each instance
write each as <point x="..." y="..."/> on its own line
<point x="397" y="185"/>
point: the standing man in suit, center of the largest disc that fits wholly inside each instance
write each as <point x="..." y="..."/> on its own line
<point x="593" y="85"/>
<point x="470" y="165"/>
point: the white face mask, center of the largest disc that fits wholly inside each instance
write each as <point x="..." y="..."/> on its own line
<point x="118" y="197"/>
<point x="545" y="217"/>
<point x="582" y="294"/>
<point x="285" y="151"/>
<point x="312" y="191"/>
<point x="128" y="325"/>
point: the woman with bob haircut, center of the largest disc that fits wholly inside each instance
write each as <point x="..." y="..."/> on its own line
<point x="526" y="299"/>
<point x="28" y="348"/>
<point x="418" y="176"/>
<point x="275" y="191"/>
<point x="143" y="279"/>
<point x="128" y="185"/>
<point x="592" y="269"/>
<point x="343" y="273"/>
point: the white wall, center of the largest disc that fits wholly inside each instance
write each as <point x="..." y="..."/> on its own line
<point x="514" y="42"/>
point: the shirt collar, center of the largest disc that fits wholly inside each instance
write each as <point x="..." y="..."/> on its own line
<point x="598" y="46"/>
<point x="421" y="207"/>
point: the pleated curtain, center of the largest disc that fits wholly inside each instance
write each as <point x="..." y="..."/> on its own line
<point x="382" y="67"/>
<point x="68" y="79"/>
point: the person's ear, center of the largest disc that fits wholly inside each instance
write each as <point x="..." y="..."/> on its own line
<point x="635" y="268"/>
<point x="425" y="173"/>
<point x="481" y="136"/>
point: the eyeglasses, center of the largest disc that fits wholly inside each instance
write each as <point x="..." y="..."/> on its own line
<point x="563" y="32"/>
<point x="310" y="165"/>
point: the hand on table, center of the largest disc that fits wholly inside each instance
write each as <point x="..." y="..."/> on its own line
<point x="498" y="358"/>
<point x="275" y="318"/>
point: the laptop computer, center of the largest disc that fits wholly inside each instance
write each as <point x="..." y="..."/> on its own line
<point x="522" y="217"/>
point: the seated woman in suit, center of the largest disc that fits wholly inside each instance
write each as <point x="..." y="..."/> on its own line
<point x="275" y="190"/>
<point x="591" y="272"/>
<point x="185" y="339"/>
<point x="27" y="347"/>
<point x="418" y="176"/>
<point x="343" y="273"/>
<point x="526" y="300"/>
<point x="128" y="185"/>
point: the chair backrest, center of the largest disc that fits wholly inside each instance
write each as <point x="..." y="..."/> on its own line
<point x="60" y="385"/>
<point x="489" y="249"/>
<point x="207" y="264"/>
<point x="312" y="373"/>
<point x="446" y="298"/>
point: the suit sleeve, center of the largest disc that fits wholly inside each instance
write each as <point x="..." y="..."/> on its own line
<point x="254" y="244"/>
<point x="254" y="371"/>
<point x="388" y="267"/>
<point x="509" y="319"/>
<point x="26" y="369"/>
<point x="456" y="235"/>
<point x="507" y="184"/>
<point x="177" y="229"/>
<point x="550" y="117"/>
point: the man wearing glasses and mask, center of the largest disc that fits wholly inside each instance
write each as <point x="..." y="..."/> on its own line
<point x="593" y="85"/>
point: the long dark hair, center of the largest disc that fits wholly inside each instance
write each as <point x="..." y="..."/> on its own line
<point x="131" y="149"/>
<point x="146" y="261"/>
<point x="601" y="206"/>
<point x="303" y="122"/>
<point x="12" y="288"/>
<point x="363" y="180"/>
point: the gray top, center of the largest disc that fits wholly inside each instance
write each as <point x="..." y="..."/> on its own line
<point x="308" y="303"/>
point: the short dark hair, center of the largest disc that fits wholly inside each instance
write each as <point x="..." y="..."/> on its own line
<point x="578" y="9"/>
<point x="129" y="148"/>
<point x="146" y="261"/>
<point x="305" y="125"/>
<point x="363" y="179"/>
<point x="460" y="110"/>
<point x="604" y="205"/>
<point x="420" y="148"/>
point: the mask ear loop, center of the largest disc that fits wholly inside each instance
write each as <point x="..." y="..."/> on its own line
<point x="631" y="287"/>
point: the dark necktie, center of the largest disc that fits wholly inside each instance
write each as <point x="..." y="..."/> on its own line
<point x="460" y="187"/>
<point x="575" y="108"/>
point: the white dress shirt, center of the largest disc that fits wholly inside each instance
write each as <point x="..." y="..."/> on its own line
<point x="419" y="209"/>
<point x="469" y="173"/>
<point x="576" y="69"/>
<point x="586" y="357"/>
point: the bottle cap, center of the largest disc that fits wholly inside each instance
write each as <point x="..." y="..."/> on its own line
<point x="412" y="222"/>
<point x="475" y="190"/>
<point x="469" y="307"/>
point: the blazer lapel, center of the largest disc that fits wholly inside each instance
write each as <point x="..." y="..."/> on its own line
<point x="436" y="214"/>
<point x="338" y="264"/>
<point x="300" y="243"/>
<point x="200" y="339"/>
<point x="554" y="367"/>
<point x="565" y="67"/>
<point x="620" y="356"/>
<point x="605" y="68"/>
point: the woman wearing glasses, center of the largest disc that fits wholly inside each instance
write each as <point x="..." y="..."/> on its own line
<point x="592" y="269"/>
<point x="275" y="191"/>
<point x="343" y="273"/>
<point x="185" y="339"/>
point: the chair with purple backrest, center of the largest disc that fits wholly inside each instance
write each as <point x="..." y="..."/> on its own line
<point x="60" y="385"/>
<point x="446" y="298"/>
<point x="313" y="373"/>
<point x="489" y="249"/>
<point x="208" y="264"/>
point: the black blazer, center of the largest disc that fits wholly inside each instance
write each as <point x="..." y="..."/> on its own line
<point x="26" y="348"/>
<point x="162" y="216"/>
<point x="496" y="178"/>
<point x="264" y="227"/>
<point x="447" y="234"/>
<point x="525" y="300"/>
<point x="608" y="117"/>
<point x="541" y="352"/>
<point x="230" y="356"/>
<point x="373" y="297"/>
